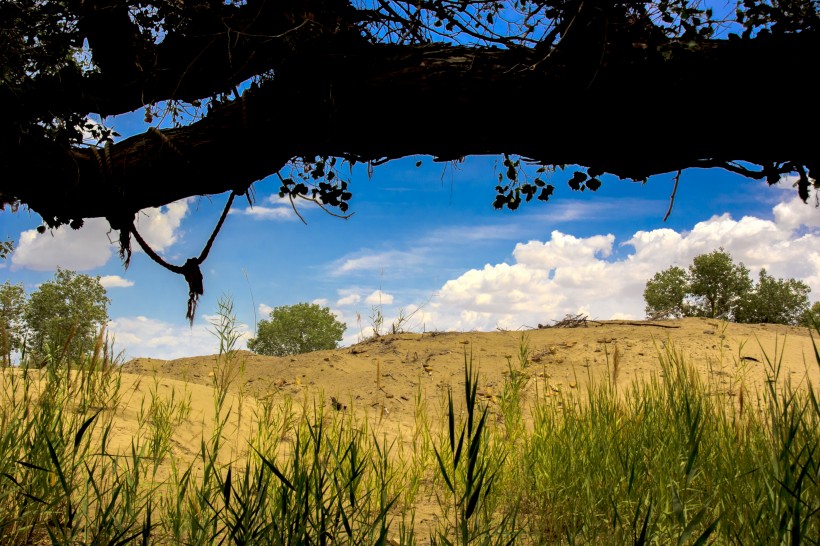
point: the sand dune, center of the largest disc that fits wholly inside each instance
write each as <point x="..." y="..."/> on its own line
<point x="382" y="377"/>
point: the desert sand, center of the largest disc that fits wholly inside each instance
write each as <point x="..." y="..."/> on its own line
<point x="382" y="377"/>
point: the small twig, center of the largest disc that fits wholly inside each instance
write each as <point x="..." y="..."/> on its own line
<point x="552" y="34"/>
<point x="322" y="206"/>
<point x="672" y="197"/>
<point x="293" y="206"/>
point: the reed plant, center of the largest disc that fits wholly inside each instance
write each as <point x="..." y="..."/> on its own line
<point x="469" y="468"/>
<point x="666" y="460"/>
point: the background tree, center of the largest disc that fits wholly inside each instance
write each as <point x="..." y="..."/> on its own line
<point x="811" y="317"/>
<point x="717" y="284"/>
<point x="295" y="329"/>
<point x="222" y="73"/>
<point x="66" y="314"/>
<point x="12" y="325"/>
<point x="714" y="286"/>
<point x="665" y="294"/>
<point x="774" y="301"/>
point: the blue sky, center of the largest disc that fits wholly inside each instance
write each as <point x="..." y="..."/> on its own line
<point x="426" y="243"/>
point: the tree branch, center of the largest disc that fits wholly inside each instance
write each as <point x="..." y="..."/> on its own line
<point x="642" y="115"/>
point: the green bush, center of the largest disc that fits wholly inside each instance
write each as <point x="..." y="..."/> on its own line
<point x="295" y="329"/>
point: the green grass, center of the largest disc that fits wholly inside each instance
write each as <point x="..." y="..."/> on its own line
<point x="663" y="461"/>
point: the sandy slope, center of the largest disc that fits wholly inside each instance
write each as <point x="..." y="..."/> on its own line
<point x="382" y="377"/>
<point x="388" y="370"/>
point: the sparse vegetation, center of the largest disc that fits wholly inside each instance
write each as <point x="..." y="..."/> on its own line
<point x="6" y="248"/>
<point x="657" y="461"/>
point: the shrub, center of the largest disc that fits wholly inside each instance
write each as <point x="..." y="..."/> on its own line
<point x="295" y="329"/>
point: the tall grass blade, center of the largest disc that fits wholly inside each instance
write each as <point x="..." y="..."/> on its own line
<point x="704" y="536"/>
<point x="272" y="467"/>
<point x="79" y="436"/>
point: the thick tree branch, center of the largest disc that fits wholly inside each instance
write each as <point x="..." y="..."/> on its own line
<point x="637" y="115"/>
<point x="218" y="47"/>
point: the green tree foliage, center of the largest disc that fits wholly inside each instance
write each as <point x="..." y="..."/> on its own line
<point x="665" y="294"/>
<point x="717" y="284"/>
<point x="295" y="329"/>
<point x="66" y="314"/>
<point x="12" y="331"/>
<point x="714" y="286"/>
<point x="811" y="317"/>
<point x="6" y="248"/>
<point x="775" y="301"/>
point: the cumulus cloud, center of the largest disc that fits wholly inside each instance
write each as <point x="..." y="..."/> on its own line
<point x="115" y="281"/>
<point x="795" y="213"/>
<point x="80" y="249"/>
<point x="160" y="226"/>
<point x="142" y="336"/>
<point x="265" y="310"/>
<point x="350" y="299"/>
<point x="378" y="298"/>
<point x="565" y="274"/>
<point x="94" y="244"/>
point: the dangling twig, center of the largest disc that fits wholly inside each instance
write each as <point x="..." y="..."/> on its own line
<point x="672" y="197"/>
<point x="293" y="206"/>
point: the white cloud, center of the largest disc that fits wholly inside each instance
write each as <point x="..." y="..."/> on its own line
<point x="566" y="274"/>
<point x="350" y="299"/>
<point x="563" y="250"/>
<point x="265" y="310"/>
<point x="278" y="208"/>
<point x="268" y="213"/>
<point x="379" y="298"/>
<point x="160" y="226"/>
<point x="79" y="250"/>
<point x="378" y="261"/>
<point x="147" y="337"/>
<point x="324" y="302"/>
<point x="115" y="281"/>
<point x="93" y="245"/>
<point x="795" y="213"/>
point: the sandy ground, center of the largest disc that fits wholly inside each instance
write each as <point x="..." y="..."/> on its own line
<point x="382" y="377"/>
